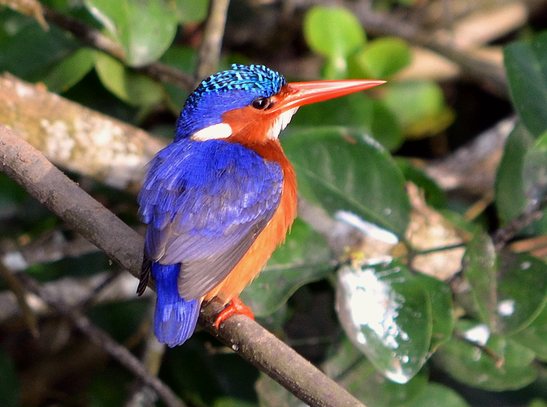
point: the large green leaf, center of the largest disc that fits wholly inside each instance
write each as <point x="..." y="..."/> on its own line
<point x="357" y="112"/>
<point x="509" y="290"/>
<point x="133" y="88"/>
<point x="526" y="65"/>
<point x="435" y="395"/>
<point x="386" y="313"/>
<point x="305" y="257"/>
<point x="508" y="366"/>
<point x="342" y="170"/>
<point x="353" y="371"/>
<point x="193" y="11"/>
<point x="144" y="28"/>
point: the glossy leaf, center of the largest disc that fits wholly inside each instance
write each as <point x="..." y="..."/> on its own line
<point x="386" y="313"/>
<point x="133" y="88"/>
<point x="382" y="57"/>
<point x="9" y="385"/>
<point x="70" y="70"/>
<point x="305" y="257"/>
<point x="342" y="170"/>
<point x="508" y="367"/>
<point x="357" y="112"/>
<point x="145" y="29"/>
<point x="442" y="313"/>
<point x="526" y="65"/>
<point x="435" y="395"/>
<point x="534" y="335"/>
<point x="346" y="365"/>
<point x="419" y="107"/>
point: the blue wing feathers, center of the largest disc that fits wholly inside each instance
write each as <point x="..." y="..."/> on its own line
<point x="175" y="319"/>
<point x="204" y="203"/>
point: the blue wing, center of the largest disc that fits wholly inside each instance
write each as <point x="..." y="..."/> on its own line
<point x="204" y="204"/>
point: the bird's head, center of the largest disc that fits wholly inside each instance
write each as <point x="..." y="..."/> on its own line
<point x="253" y="103"/>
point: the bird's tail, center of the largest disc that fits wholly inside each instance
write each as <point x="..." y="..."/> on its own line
<point x="175" y="318"/>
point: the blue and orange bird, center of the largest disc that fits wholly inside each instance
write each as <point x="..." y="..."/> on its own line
<point x="221" y="197"/>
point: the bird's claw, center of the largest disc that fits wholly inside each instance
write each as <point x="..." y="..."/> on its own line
<point x="235" y="306"/>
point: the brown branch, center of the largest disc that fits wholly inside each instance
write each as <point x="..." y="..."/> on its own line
<point x="81" y="212"/>
<point x="209" y="51"/>
<point x="104" y="341"/>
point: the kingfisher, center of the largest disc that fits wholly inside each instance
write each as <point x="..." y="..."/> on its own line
<point x="222" y="196"/>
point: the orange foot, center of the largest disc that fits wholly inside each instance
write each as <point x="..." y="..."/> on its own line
<point x="235" y="306"/>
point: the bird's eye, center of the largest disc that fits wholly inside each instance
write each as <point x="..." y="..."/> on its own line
<point x="261" y="103"/>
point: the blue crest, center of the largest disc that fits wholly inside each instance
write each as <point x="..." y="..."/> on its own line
<point x="225" y="91"/>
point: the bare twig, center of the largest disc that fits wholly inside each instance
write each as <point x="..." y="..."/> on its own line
<point x="209" y="51"/>
<point x="104" y="341"/>
<point x="80" y="211"/>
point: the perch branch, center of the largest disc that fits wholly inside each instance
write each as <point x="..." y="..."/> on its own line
<point x="80" y="211"/>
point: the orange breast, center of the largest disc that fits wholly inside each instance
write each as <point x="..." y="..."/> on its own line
<point x="271" y="236"/>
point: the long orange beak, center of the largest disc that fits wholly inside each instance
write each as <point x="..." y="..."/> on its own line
<point x="304" y="93"/>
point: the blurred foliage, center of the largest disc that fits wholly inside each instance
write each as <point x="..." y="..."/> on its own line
<point x="396" y="324"/>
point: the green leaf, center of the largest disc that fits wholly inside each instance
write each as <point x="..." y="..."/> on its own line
<point x="508" y="366"/>
<point x="511" y="199"/>
<point x="347" y="366"/>
<point x="305" y="257"/>
<point x="144" y="28"/>
<point x="185" y="59"/>
<point x="386" y="313"/>
<point x="342" y="170"/>
<point x="435" y="395"/>
<point x="335" y="33"/>
<point x="434" y="195"/>
<point x="9" y="385"/>
<point x="358" y="112"/>
<point x="419" y="107"/>
<point x="509" y="290"/>
<point x="382" y="57"/>
<point x="442" y="313"/>
<point x="533" y="336"/>
<point x="534" y="170"/>
<point x="526" y="65"/>
<point x="193" y="11"/>
<point x="31" y="52"/>
<point x="70" y="70"/>
<point x="133" y="88"/>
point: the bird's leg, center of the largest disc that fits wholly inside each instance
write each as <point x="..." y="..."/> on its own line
<point x="235" y="306"/>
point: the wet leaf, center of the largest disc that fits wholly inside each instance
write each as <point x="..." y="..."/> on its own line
<point x="347" y="366"/>
<point x="342" y="170"/>
<point x="387" y="314"/>
<point x="145" y="29"/>
<point x="133" y="88"/>
<point x="508" y="367"/>
<point x="526" y="65"/>
<point x="303" y="258"/>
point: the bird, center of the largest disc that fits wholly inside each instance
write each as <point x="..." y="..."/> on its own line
<point x="220" y="198"/>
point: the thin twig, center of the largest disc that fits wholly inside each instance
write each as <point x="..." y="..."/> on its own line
<point x="104" y="341"/>
<point x="45" y="182"/>
<point x="209" y="51"/>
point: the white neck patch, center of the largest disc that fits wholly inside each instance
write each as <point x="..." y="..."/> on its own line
<point x="280" y="123"/>
<point x="214" y="132"/>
